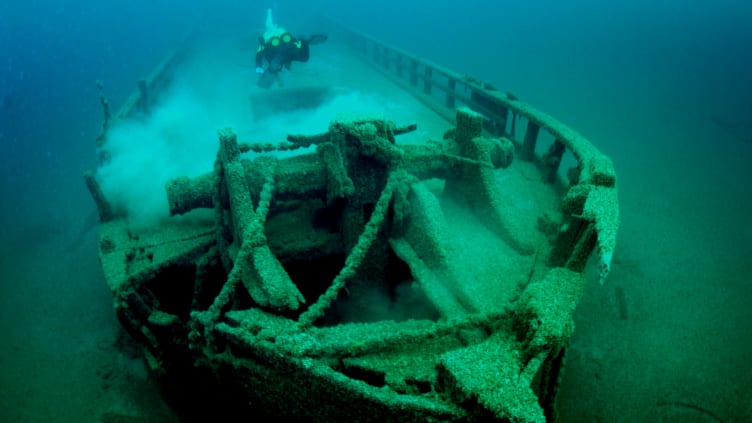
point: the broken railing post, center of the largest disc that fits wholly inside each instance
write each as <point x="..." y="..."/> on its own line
<point x="531" y="139"/>
<point x="413" y="72"/>
<point x="427" y="83"/>
<point x="450" y="99"/>
<point x="103" y="206"/>
<point x="552" y="159"/>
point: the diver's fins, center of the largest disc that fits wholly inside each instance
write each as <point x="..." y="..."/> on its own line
<point x="267" y="79"/>
<point x="317" y="39"/>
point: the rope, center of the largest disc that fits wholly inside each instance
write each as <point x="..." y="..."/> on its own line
<point x="356" y="256"/>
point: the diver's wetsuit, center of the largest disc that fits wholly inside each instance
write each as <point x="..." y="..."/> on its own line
<point x="280" y="51"/>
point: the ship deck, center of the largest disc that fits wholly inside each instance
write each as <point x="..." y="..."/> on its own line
<point x="335" y="84"/>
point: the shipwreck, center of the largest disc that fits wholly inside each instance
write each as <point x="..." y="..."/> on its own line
<point x="358" y="278"/>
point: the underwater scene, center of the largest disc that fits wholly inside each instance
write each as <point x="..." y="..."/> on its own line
<point x="360" y="211"/>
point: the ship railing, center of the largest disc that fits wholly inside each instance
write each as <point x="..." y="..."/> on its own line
<point x="566" y="158"/>
<point x="142" y="100"/>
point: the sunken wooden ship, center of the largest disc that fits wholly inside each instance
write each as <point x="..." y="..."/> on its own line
<point x="365" y="279"/>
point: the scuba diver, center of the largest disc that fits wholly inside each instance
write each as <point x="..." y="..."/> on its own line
<point x="278" y="49"/>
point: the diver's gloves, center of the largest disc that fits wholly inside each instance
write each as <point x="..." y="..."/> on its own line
<point x="260" y="71"/>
